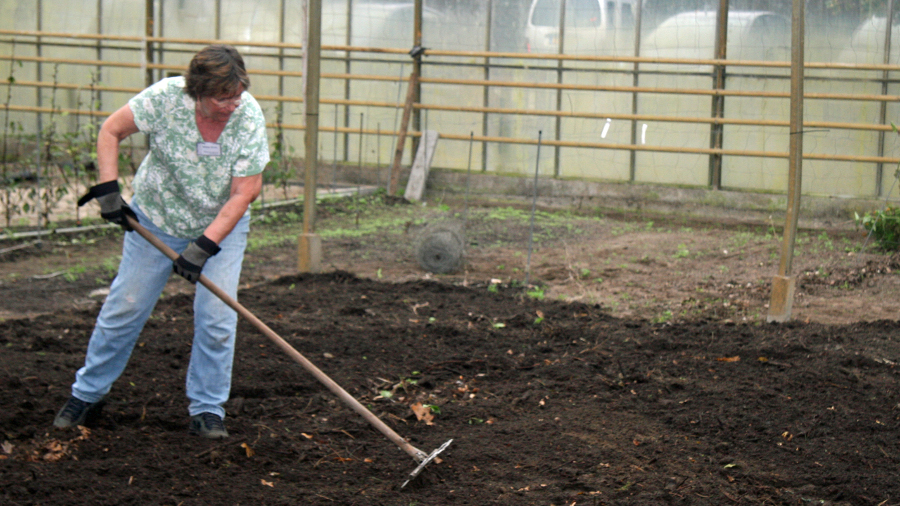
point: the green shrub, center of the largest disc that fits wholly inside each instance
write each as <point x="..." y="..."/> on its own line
<point x="884" y="226"/>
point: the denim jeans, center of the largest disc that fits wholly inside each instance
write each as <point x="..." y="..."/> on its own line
<point x="143" y="273"/>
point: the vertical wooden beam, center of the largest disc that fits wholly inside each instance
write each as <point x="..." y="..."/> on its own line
<point x="310" y="244"/>
<point x="781" y="303"/>
<point x="882" y="116"/>
<point x="638" y="21"/>
<point x="486" y="98"/>
<point x="417" y="70"/>
<point x="218" y="19"/>
<point x="347" y="82"/>
<point x="560" y="70"/>
<point x="718" y="101"/>
<point x="148" y="46"/>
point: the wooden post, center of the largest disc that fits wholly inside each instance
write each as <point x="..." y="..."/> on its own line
<point x="718" y="101"/>
<point x="885" y="89"/>
<point x="310" y="244"/>
<point x="418" y="10"/>
<point x="782" y="299"/>
<point x="635" y="82"/>
<point x="394" y="187"/>
<point x="148" y="46"/>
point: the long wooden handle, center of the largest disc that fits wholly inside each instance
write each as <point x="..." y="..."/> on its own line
<point x="348" y="399"/>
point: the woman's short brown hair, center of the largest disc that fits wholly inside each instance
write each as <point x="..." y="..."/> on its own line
<point x="216" y="71"/>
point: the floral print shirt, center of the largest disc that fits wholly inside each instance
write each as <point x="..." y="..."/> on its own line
<point x="177" y="188"/>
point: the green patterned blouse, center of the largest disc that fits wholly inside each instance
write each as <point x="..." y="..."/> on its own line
<point x="178" y="189"/>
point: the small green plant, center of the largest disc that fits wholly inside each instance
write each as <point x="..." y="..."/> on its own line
<point x="682" y="251"/>
<point x="110" y="265"/>
<point x="493" y="287"/>
<point x="536" y="292"/>
<point x="73" y="273"/>
<point x="826" y="241"/>
<point x="279" y="170"/>
<point x="663" y="317"/>
<point x="884" y="226"/>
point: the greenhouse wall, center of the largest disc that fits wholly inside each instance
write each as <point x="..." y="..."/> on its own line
<point x="611" y="91"/>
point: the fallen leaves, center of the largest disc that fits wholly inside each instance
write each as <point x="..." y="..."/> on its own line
<point x="729" y="359"/>
<point x="7" y="448"/>
<point x="55" y="450"/>
<point x="423" y="413"/>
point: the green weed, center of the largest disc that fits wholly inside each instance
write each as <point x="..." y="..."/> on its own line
<point x="663" y="317"/>
<point x="536" y="292"/>
<point x="883" y="225"/>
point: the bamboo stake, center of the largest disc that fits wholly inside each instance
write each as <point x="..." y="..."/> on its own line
<point x="401" y="136"/>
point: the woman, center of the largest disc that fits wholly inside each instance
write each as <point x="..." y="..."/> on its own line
<point x="207" y="151"/>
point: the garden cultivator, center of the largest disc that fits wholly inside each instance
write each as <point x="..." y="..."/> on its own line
<point x="422" y="458"/>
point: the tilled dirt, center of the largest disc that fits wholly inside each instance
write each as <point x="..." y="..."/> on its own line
<point x="678" y="393"/>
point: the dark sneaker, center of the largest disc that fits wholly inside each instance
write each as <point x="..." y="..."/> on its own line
<point x="77" y="412"/>
<point x="208" y="425"/>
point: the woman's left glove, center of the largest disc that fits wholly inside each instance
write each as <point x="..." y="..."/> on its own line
<point x="191" y="261"/>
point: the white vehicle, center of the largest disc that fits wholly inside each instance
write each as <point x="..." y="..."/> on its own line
<point x="752" y="35"/>
<point x="375" y="24"/>
<point x="591" y="26"/>
<point x="867" y="42"/>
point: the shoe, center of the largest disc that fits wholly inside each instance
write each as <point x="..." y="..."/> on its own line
<point x="208" y="425"/>
<point x="77" y="412"/>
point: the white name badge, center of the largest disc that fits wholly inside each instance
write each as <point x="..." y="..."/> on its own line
<point x="209" y="149"/>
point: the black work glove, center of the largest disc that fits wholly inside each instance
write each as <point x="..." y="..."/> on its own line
<point x="191" y="261"/>
<point x="113" y="207"/>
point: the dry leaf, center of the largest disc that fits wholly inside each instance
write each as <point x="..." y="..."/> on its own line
<point x="247" y="449"/>
<point x="423" y="413"/>
<point x="729" y="359"/>
<point x="268" y="483"/>
<point x="307" y="436"/>
<point x="54" y="450"/>
<point x="7" y="447"/>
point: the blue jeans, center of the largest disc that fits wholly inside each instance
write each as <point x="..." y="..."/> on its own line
<point x="142" y="275"/>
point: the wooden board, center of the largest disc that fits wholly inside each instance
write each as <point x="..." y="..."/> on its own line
<point x="415" y="187"/>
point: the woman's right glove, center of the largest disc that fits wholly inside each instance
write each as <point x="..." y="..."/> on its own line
<point x="113" y="207"/>
<point x="191" y="261"/>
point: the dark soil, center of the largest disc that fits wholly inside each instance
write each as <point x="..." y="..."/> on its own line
<point x="656" y="381"/>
